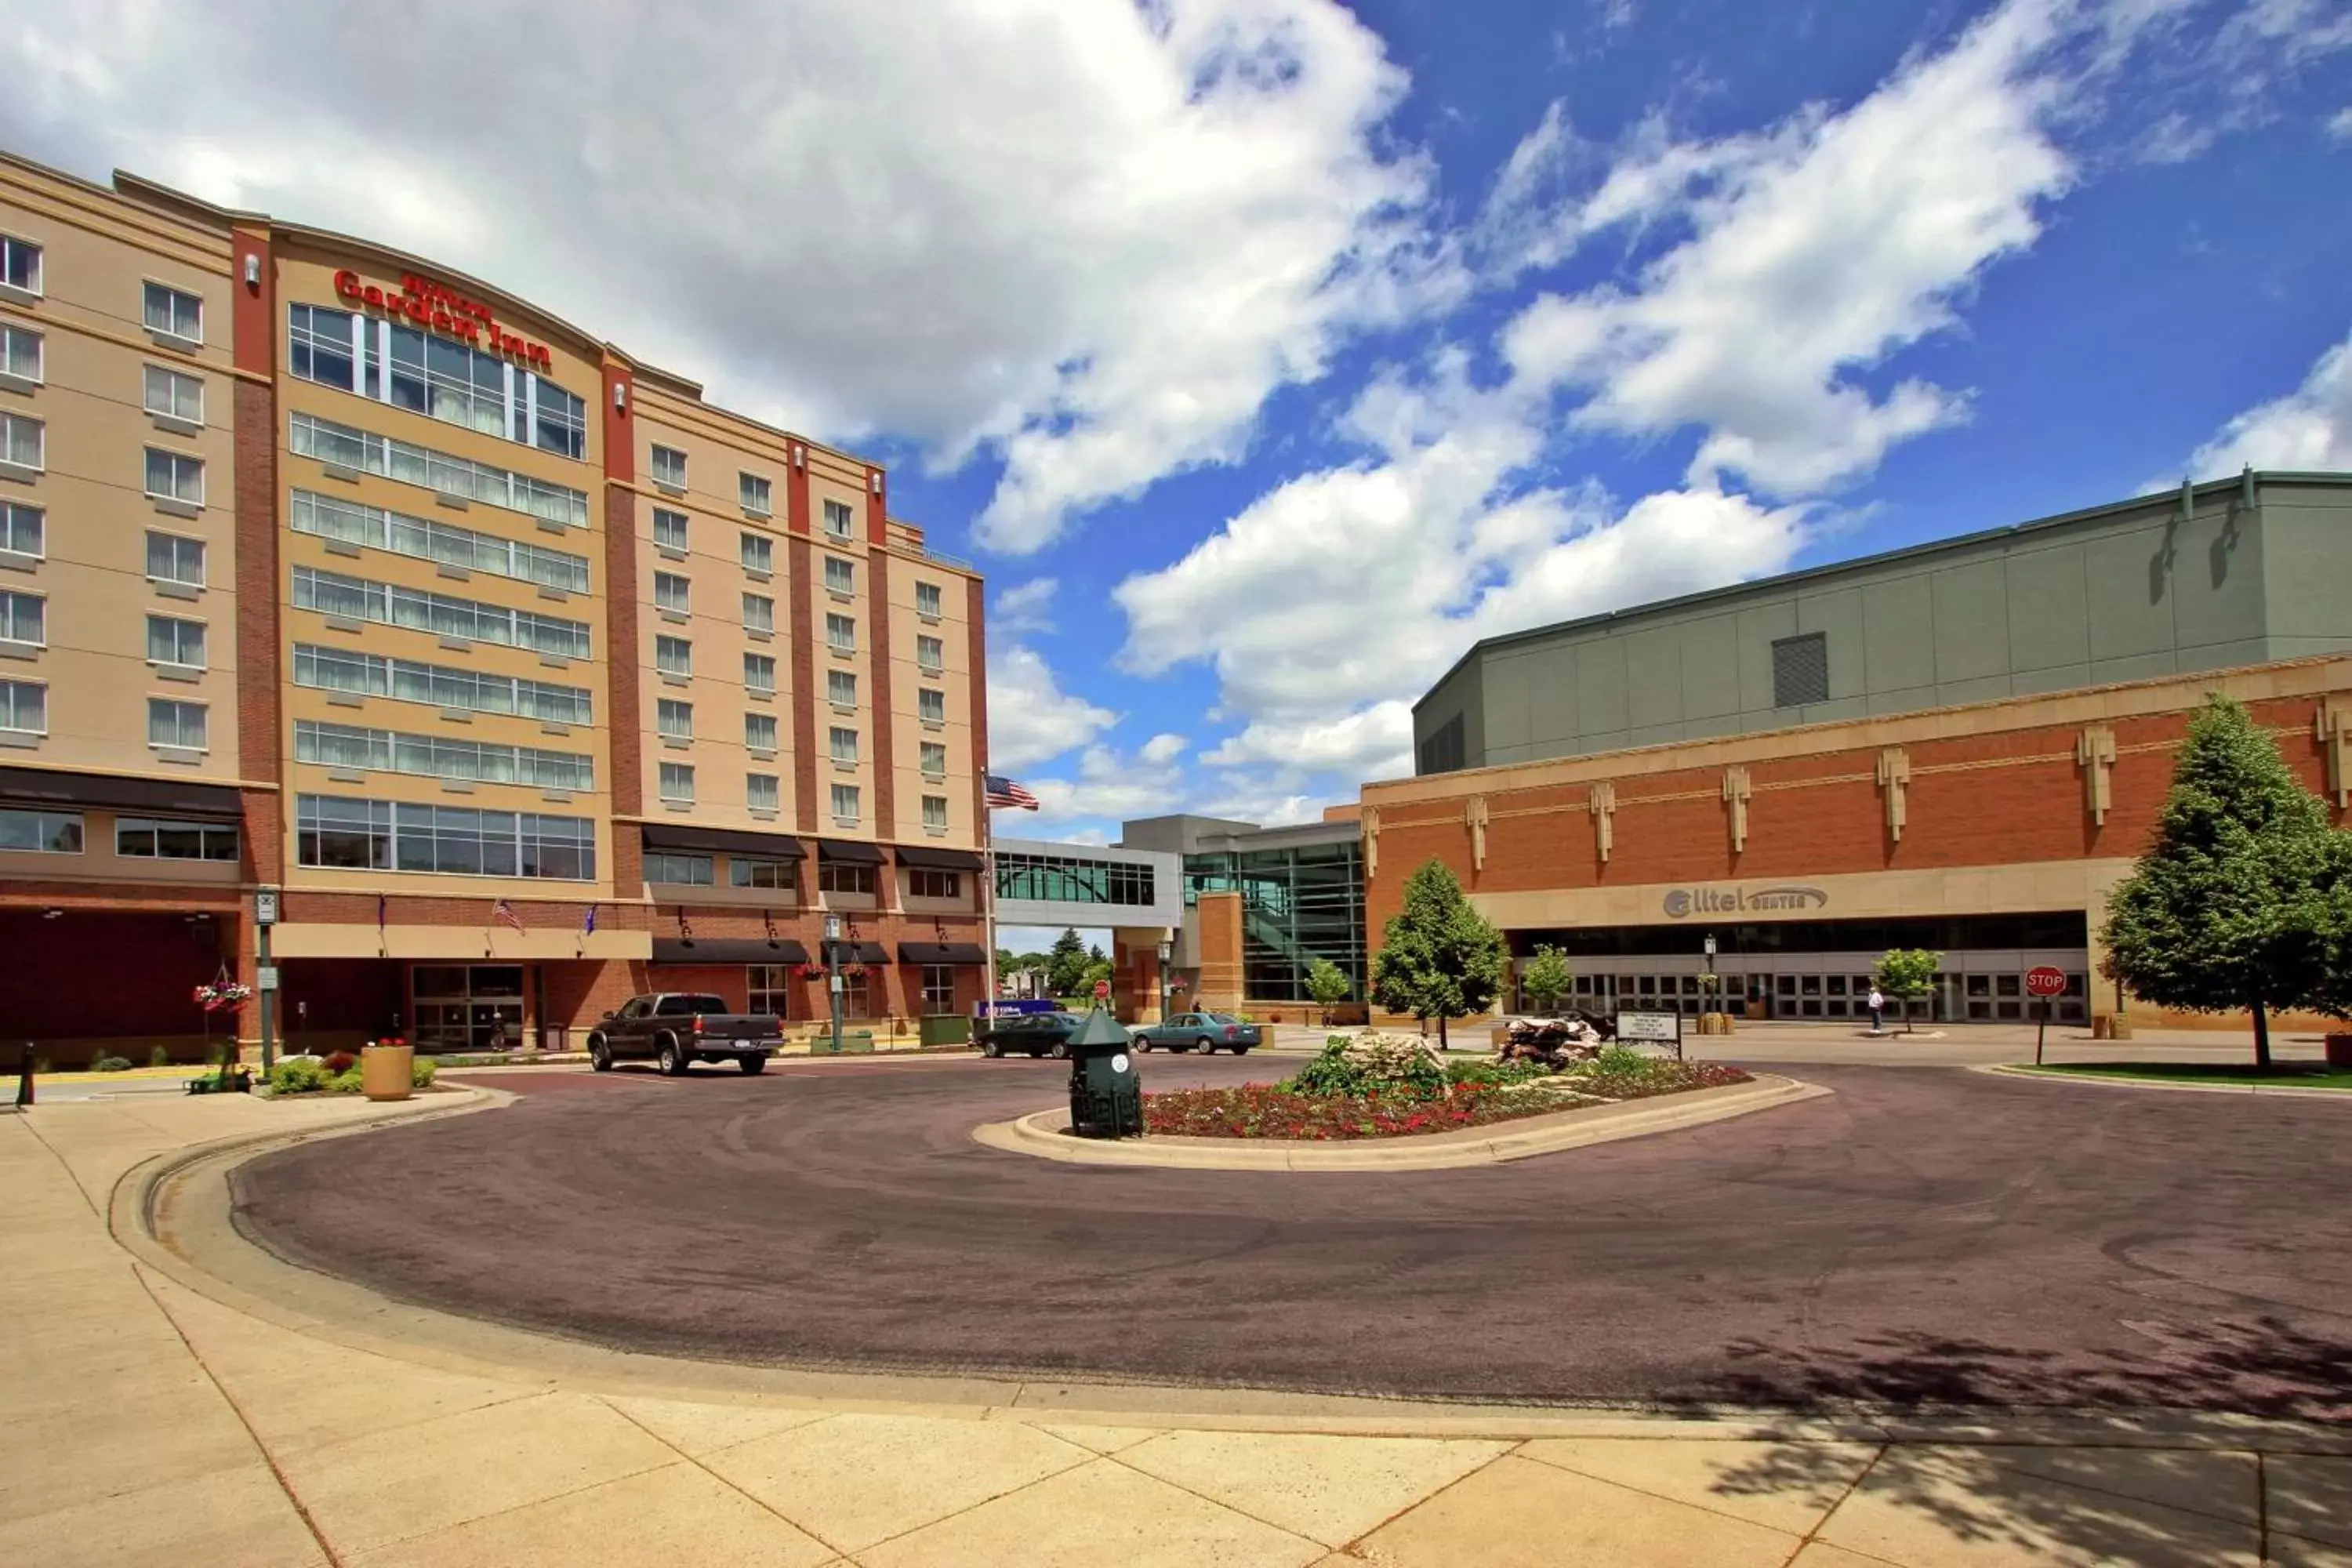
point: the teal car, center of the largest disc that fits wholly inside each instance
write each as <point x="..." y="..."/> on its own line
<point x="1203" y="1032"/>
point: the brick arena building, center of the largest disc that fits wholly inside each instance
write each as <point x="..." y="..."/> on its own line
<point x="1959" y="747"/>
<point x="531" y="678"/>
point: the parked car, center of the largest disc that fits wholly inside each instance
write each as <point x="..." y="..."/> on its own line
<point x="677" y="1029"/>
<point x="1203" y="1032"/>
<point x="1033" y="1033"/>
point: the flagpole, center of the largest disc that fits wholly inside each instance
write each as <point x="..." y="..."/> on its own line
<point x="988" y="905"/>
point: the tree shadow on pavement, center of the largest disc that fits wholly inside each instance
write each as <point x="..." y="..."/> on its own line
<point x="2059" y="1458"/>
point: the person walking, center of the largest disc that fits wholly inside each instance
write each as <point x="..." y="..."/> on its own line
<point x="1877" y="1011"/>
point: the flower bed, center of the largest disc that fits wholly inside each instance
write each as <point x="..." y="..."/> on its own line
<point x="1289" y="1110"/>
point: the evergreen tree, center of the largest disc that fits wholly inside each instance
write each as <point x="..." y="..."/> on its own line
<point x="1548" y="979"/>
<point x="1066" y="966"/>
<point x="1439" y="958"/>
<point x="2238" y="902"/>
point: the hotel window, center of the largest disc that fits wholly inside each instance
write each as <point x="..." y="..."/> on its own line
<point x="1800" y="669"/>
<point x="779" y="876"/>
<point x="758" y="673"/>
<point x="358" y="598"/>
<point x="23" y="529"/>
<point x="378" y="835"/>
<point x="20" y="353"/>
<point x="760" y="732"/>
<point x="678" y="782"/>
<point x="318" y="348"/>
<point x="935" y="759"/>
<point x="928" y="600"/>
<point x="177" y="724"/>
<point x="760" y="792"/>
<point x="769" y="988"/>
<point x="841" y="688"/>
<point x="938" y="988"/>
<point x="23" y="620"/>
<point x="840" y="576"/>
<point x="679" y="870"/>
<point x="935" y="812"/>
<point x="670" y="468"/>
<point x="338" y="670"/>
<point x="837" y="518"/>
<point x="20" y="264"/>
<point x="174" y="314"/>
<point x="845" y="807"/>
<point x="675" y="720"/>
<point x="845" y="745"/>
<point x="669" y="529"/>
<point x="309" y="437"/>
<point x="841" y="634"/>
<point x="842" y="877"/>
<point x="21" y="441"/>
<point x="930" y="655"/>
<point x="175" y="475"/>
<point x="331" y="516"/>
<point x="759" y="613"/>
<point x="759" y="553"/>
<point x="754" y="490"/>
<point x="925" y="884"/>
<point x="175" y="642"/>
<point x="673" y="655"/>
<point x="857" y="995"/>
<point x="41" y="832"/>
<point x="933" y="706"/>
<point x="161" y="838"/>
<point x="172" y="395"/>
<point x="436" y="375"/>
<point x="434" y="756"/>
<point x="25" y="706"/>
<point x="172" y="559"/>
<point x="672" y="592"/>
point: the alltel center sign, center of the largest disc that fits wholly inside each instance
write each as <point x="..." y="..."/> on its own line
<point x="1779" y="898"/>
<point x="438" y="308"/>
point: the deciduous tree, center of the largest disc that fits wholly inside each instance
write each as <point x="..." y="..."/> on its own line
<point x="1906" y="973"/>
<point x="1439" y="958"/>
<point x="1328" y="984"/>
<point x="1548" y="979"/>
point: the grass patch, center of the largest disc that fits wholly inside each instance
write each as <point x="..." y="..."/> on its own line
<point x="2285" y="1075"/>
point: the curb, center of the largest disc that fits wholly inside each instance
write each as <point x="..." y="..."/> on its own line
<point x="1041" y="1136"/>
<point x="2283" y="1091"/>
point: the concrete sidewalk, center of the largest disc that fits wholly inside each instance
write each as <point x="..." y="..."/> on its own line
<point x="146" y="1422"/>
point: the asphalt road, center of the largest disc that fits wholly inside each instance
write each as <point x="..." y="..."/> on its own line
<point x="1924" y="1235"/>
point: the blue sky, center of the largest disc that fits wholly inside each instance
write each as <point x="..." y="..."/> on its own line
<point x="1265" y="353"/>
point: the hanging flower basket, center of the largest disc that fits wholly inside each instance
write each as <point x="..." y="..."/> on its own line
<point x="223" y="996"/>
<point x="812" y="972"/>
<point x="852" y="970"/>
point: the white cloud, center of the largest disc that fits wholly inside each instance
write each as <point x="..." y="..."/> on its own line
<point x="2309" y="429"/>
<point x="1815" y="251"/>
<point x="1030" y="718"/>
<point x="1161" y="750"/>
<point x="2340" y="125"/>
<point x="1026" y="608"/>
<point x="1091" y="235"/>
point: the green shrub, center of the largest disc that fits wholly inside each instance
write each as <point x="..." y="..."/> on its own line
<point x="1330" y="1073"/>
<point x="420" y="1072"/>
<point x="161" y="1056"/>
<point x="346" y="1082"/>
<point x="1494" y="1074"/>
<point x="297" y="1075"/>
<point x="110" y="1064"/>
<point x="1622" y="1059"/>
<point x="1372" y="1063"/>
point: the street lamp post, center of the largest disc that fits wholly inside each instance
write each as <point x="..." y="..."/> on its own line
<point x="1714" y="980"/>
<point x="1167" y="955"/>
<point x="833" y="974"/>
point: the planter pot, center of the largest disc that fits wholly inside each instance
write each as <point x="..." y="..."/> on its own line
<point x="384" y="1071"/>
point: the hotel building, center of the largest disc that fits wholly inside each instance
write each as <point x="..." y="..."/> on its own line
<point x="531" y="678"/>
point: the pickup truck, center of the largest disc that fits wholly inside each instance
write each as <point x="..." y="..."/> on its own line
<point x="677" y="1029"/>
<point x="1204" y="1032"/>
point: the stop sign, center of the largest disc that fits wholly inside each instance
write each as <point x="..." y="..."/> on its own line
<point x="2044" y="981"/>
<point x="1102" y="988"/>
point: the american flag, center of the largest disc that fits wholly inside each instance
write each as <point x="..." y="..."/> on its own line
<point x="1004" y="792"/>
<point x="503" y="913"/>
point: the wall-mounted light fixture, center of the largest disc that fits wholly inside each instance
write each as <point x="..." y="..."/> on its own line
<point x="800" y="456"/>
<point x="620" y="397"/>
<point x="874" y="481"/>
<point x="252" y="269"/>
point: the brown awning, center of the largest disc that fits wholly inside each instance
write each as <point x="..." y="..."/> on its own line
<point x="941" y="953"/>
<point x="677" y="836"/>
<point x="165" y="797"/>
<point x="937" y="859"/>
<point x="727" y="950"/>
<point x="848" y="852"/>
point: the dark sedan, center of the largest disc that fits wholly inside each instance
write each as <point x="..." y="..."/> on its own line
<point x="1031" y="1033"/>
